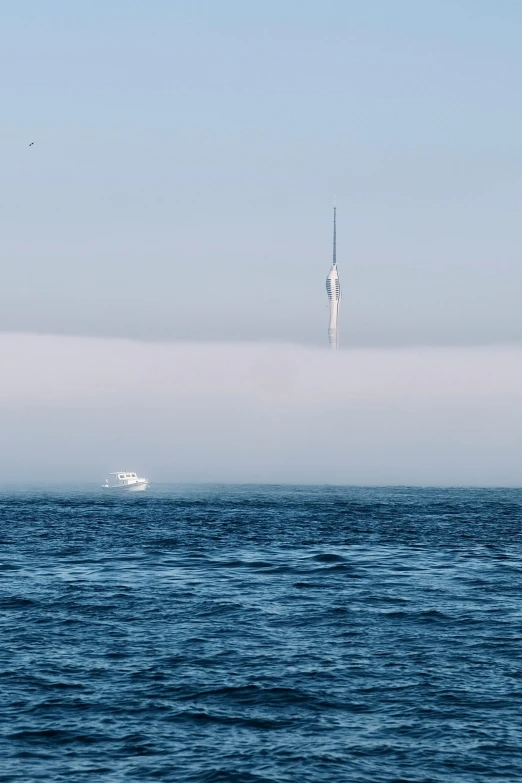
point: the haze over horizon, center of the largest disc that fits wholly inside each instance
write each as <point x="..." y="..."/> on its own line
<point x="74" y="409"/>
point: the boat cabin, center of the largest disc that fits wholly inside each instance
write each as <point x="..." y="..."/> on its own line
<point x="125" y="477"/>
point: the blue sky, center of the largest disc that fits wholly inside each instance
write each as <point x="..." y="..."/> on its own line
<point x="186" y="156"/>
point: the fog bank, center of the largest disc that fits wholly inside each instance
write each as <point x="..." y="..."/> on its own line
<point x="73" y="409"/>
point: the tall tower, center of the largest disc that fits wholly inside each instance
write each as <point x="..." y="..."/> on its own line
<point x="333" y="289"/>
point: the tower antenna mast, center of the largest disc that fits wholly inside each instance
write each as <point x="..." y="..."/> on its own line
<point x="335" y="237"/>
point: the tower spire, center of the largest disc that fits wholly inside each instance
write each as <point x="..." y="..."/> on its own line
<point x="335" y="236"/>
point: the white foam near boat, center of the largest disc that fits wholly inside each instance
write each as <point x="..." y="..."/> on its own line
<point x="126" y="481"/>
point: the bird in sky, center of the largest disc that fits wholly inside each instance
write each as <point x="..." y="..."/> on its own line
<point x="31" y="144"/>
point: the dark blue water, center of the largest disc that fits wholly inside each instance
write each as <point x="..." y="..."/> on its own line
<point x="261" y="634"/>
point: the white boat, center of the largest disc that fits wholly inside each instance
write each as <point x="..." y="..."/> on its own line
<point x="126" y="481"/>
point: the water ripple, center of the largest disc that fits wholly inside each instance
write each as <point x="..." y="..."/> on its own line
<point x="255" y="634"/>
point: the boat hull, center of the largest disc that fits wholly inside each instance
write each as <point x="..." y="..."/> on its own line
<point x="138" y="486"/>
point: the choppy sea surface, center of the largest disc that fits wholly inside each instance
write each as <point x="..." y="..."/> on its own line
<point x="252" y="633"/>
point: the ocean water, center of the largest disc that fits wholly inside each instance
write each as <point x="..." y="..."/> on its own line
<point x="251" y="634"/>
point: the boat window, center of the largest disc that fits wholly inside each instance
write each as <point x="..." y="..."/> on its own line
<point x="133" y="475"/>
<point x="121" y="476"/>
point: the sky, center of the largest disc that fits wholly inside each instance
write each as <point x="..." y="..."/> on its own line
<point x="187" y="155"/>
<point x="175" y="209"/>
